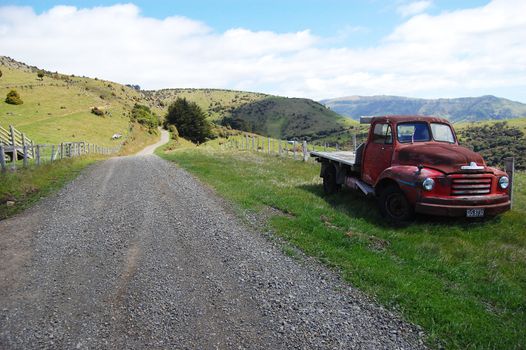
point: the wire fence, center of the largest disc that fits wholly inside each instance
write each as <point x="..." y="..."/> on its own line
<point x="294" y="149"/>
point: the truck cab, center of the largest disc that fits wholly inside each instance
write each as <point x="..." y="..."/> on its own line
<point x="415" y="164"/>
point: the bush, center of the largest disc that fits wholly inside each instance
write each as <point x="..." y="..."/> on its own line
<point x="189" y="119"/>
<point x="97" y="111"/>
<point x="13" y="98"/>
<point x="40" y="74"/>
<point x="173" y="130"/>
<point x="496" y="142"/>
<point x="144" y="116"/>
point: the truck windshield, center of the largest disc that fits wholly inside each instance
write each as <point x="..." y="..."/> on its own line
<point x="413" y="132"/>
<point x="442" y="133"/>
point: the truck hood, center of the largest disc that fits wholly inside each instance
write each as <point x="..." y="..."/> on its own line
<point x="446" y="158"/>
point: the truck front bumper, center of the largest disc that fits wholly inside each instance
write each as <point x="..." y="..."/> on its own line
<point x="458" y="206"/>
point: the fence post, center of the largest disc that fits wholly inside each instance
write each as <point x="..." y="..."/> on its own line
<point x="269" y="145"/>
<point x="253" y="143"/>
<point x="325" y="146"/>
<point x="294" y="148"/>
<point x="62" y="150"/>
<point x="38" y="155"/>
<point x="354" y="141"/>
<point x="305" y="152"/>
<point x="52" y="153"/>
<point x="2" y="158"/>
<point x="280" y="150"/>
<point x="24" y="147"/>
<point x="510" y="169"/>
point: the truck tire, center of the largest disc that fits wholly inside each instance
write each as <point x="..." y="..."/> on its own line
<point x="329" y="181"/>
<point x="394" y="205"/>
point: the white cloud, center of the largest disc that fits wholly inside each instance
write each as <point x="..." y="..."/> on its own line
<point x="458" y="53"/>
<point x="413" y="8"/>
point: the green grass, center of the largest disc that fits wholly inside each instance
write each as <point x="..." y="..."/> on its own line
<point x="463" y="281"/>
<point x="59" y="109"/>
<point x="27" y="186"/>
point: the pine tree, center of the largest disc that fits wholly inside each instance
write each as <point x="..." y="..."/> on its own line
<point x="189" y="120"/>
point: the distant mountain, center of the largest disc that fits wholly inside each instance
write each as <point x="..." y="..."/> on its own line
<point x="454" y="109"/>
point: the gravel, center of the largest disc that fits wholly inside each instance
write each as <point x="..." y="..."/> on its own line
<point x="136" y="253"/>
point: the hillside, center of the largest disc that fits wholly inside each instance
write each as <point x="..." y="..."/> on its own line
<point x="57" y="107"/>
<point x="268" y="115"/>
<point x="455" y="109"/>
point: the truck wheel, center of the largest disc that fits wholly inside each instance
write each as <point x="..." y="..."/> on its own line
<point x="329" y="181"/>
<point x="394" y="205"/>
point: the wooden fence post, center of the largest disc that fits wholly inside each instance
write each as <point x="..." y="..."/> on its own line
<point x="510" y="169"/>
<point x="61" y="150"/>
<point x="294" y="148"/>
<point x="280" y="150"/>
<point x="24" y="147"/>
<point x="253" y="143"/>
<point x="38" y="155"/>
<point x="52" y="153"/>
<point x="2" y="158"/>
<point x="305" y="152"/>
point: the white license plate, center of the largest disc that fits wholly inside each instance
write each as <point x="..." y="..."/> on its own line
<point x="474" y="213"/>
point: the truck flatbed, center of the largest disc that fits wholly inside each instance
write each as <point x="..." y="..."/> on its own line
<point x="343" y="157"/>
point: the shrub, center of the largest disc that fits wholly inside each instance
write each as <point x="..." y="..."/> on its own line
<point x="40" y="74"/>
<point x="13" y="98"/>
<point x="144" y="116"/>
<point x="175" y="133"/>
<point x="97" y="111"/>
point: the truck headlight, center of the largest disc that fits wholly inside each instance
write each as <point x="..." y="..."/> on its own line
<point x="428" y="184"/>
<point x="504" y="182"/>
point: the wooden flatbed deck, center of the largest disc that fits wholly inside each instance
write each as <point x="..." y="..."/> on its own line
<point x="343" y="157"/>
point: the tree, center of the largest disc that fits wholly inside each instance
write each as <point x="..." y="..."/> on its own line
<point x="13" y="98"/>
<point x="189" y="119"/>
<point x="40" y="74"/>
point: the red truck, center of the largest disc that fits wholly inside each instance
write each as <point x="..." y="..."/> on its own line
<point x="415" y="164"/>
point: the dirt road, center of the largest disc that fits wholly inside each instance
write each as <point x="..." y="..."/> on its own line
<point x="136" y="254"/>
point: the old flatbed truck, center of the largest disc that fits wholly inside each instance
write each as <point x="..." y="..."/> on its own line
<point x="415" y="164"/>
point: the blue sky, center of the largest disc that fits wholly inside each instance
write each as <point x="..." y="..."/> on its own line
<point x="309" y="48"/>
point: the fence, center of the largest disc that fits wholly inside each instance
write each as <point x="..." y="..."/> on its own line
<point x="293" y="149"/>
<point x="18" y="150"/>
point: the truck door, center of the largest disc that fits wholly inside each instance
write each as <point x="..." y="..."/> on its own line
<point x="378" y="152"/>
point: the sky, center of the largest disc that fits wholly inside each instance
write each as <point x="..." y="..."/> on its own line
<point x="311" y="48"/>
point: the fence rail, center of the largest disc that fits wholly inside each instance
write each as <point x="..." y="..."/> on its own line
<point x="23" y="152"/>
<point x="16" y="139"/>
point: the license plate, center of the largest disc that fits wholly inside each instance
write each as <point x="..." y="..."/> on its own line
<point x="475" y="213"/>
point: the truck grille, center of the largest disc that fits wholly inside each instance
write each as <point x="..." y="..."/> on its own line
<point x="470" y="186"/>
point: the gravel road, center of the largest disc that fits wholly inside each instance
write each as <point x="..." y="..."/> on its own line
<point x="137" y="254"/>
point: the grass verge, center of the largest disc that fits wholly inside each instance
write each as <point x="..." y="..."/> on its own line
<point x="26" y="186"/>
<point x="463" y="281"/>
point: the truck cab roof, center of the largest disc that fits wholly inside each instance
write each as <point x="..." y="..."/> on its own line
<point x="404" y="118"/>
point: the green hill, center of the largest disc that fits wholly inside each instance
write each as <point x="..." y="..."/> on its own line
<point x="274" y="116"/>
<point x="58" y="107"/>
<point x="455" y="109"/>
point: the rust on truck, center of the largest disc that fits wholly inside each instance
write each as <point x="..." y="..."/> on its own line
<point x="415" y="164"/>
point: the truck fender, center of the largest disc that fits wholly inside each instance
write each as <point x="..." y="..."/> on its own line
<point x="407" y="177"/>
